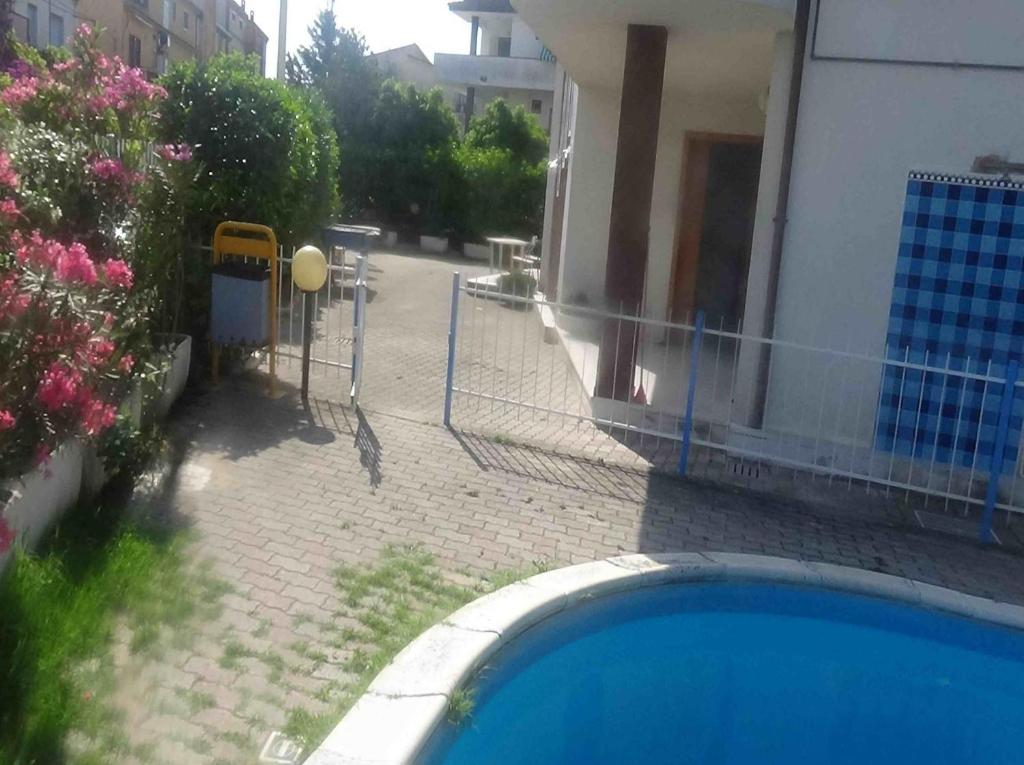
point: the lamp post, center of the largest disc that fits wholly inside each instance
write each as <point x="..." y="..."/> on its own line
<point x="309" y="272"/>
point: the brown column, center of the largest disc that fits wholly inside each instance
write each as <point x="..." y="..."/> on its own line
<point x="629" y="229"/>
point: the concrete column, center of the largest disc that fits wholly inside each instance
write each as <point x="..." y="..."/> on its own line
<point x="749" y="396"/>
<point x="470" y="106"/>
<point x="632" y="190"/>
<point x="474" y="33"/>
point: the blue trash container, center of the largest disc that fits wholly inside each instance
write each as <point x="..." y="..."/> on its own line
<point x="240" y="310"/>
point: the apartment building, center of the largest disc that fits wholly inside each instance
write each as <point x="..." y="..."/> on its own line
<point x="505" y="60"/>
<point x="149" y="34"/>
<point x="43" y="22"/>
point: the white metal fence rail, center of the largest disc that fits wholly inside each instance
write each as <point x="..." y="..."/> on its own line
<point x="944" y="429"/>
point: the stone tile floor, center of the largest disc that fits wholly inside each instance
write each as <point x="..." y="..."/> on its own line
<point x="278" y="496"/>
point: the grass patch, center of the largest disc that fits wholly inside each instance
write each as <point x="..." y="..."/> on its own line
<point x="393" y="602"/>
<point x="460" y="705"/>
<point x="58" y="613"/>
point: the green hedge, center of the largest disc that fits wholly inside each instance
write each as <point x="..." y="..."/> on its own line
<point x="268" y="152"/>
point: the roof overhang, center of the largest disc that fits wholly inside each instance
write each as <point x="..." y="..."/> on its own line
<point x="718" y="47"/>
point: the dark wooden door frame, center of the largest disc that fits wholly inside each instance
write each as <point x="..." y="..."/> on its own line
<point x="690" y="216"/>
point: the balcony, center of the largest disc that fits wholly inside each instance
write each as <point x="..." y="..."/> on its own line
<point x="495" y="71"/>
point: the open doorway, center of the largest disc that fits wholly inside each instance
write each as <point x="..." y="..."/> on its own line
<point x="716" y="224"/>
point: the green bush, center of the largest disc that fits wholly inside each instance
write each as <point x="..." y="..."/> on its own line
<point x="512" y="129"/>
<point x="269" y="153"/>
<point x="502" y="162"/>
<point x="503" y="195"/>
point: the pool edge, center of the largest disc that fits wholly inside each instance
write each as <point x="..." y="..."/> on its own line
<point x="396" y="717"/>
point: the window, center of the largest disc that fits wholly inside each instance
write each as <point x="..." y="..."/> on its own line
<point x="536" y="106"/>
<point x="134" y="51"/>
<point x="184" y="16"/>
<point x="56" y="30"/>
<point x="505" y="47"/>
<point x="33" y="24"/>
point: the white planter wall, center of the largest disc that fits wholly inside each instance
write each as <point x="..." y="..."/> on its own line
<point x="43" y="495"/>
<point x="177" y="376"/>
<point x="477" y="251"/>
<point x="438" y="244"/>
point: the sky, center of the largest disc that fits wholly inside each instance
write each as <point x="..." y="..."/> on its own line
<point x="384" y="23"/>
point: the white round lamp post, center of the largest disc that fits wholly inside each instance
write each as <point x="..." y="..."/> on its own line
<point x="309" y="272"/>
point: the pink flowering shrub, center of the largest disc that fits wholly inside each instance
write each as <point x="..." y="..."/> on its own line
<point x="64" y="361"/>
<point x="73" y="316"/>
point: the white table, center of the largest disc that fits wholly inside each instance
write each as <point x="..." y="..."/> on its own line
<point x="516" y="248"/>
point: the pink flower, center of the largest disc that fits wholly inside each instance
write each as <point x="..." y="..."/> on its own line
<point x="13" y="302"/>
<point x="60" y="387"/>
<point x="181" y="152"/>
<point x="107" y="169"/>
<point x="8" y="177"/>
<point x="83" y="31"/>
<point x="7" y="421"/>
<point x="75" y="265"/>
<point x="9" y="209"/>
<point x="97" y="417"/>
<point x="7" y="536"/>
<point x="98" y="351"/>
<point x="126" y="364"/>
<point x="20" y="91"/>
<point x="118" y="273"/>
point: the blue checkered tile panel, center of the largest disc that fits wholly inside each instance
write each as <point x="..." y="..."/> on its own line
<point x="957" y="303"/>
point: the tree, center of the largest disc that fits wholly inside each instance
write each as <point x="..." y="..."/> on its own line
<point x="335" y="63"/>
<point x="406" y="174"/>
<point x="502" y="127"/>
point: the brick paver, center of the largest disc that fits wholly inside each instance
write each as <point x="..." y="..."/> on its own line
<point x="279" y="497"/>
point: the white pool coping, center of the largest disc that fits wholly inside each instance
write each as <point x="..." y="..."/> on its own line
<point x="403" y="707"/>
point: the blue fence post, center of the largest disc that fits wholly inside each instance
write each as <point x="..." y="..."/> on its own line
<point x="698" y="334"/>
<point x="449" y="381"/>
<point x="999" y="449"/>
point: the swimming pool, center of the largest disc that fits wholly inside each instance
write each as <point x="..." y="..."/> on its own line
<point x="711" y="659"/>
<point x="746" y="673"/>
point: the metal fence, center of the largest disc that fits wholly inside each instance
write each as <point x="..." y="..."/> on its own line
<point x="338" y="325"/>
<point x="943" y="430"/>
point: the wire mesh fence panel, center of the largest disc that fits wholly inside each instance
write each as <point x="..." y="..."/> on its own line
<point x="941" y="433"/>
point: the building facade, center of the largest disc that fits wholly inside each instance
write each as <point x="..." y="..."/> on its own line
<point x="505" y="60"/>
<point x="835" y="174"/>
<point x="236" y="31"/>
<point x="409" y="64"/>
<point x="42" y="23"/>
<point x="149" y="34"/>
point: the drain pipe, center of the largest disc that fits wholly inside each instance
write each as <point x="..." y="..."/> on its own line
<point x="800" y="30"/>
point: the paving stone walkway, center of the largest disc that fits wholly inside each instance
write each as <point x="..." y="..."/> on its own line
<point x="279" y="496"/>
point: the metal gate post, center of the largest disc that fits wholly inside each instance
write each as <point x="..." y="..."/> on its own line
<point x="999" y="449"/>
<point x="358" y="328"/>
<point x="698" y="337"/>
<point x="449" y="380"/>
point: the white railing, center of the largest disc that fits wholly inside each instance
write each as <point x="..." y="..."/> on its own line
<point x="941" y="428"/>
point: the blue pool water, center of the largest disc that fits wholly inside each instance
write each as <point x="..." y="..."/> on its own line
<point x="746" y="674"/>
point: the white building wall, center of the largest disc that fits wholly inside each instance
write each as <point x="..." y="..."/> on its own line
<point x="589" y="195"/>
<point x="525" y="44"/>
<point x="862" y="127"/>
<point x="585" y="246"/>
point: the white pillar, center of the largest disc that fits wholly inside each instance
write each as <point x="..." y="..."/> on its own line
<point x="764" y="228"/>
<point x="282" y="39"/>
